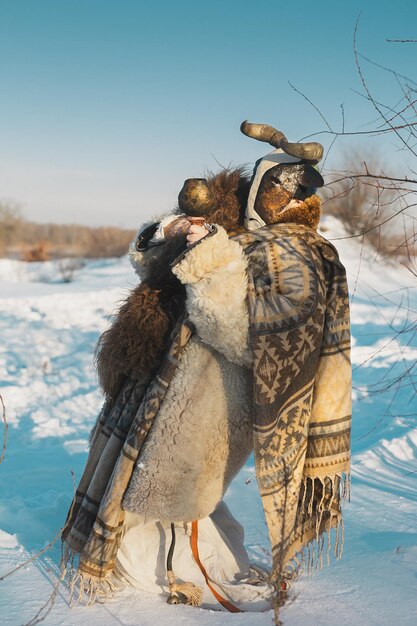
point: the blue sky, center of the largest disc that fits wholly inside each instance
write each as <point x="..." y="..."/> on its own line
<point x="107" y="106"/>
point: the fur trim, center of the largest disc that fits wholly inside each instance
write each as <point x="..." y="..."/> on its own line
<point x="308" y="213"/>
<point x="210" y="254"/>
<point x="214" y="273"/>
<point x="165" y="221"/>
<point x="153" y="264"/>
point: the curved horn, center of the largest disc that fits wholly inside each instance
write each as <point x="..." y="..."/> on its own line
<point x="311" y="151"/>
<point x="263" y="132"/>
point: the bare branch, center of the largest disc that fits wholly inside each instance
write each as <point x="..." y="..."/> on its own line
<point x="46" y="608"/>
<point x="386" y="69"/>
<point x="368" y="174"/>
<point x="371" y="133"/>
<point x="312" y="104"/>
<point x="342" y="108"/>
<point x="407" y="126"/>
<point x="365" y="86"/>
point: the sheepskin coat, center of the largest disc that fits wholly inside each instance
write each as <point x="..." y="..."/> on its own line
<point x="202" y="434"/>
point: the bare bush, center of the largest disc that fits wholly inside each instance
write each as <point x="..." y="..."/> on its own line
<point x="108" y="241"/>
<point x="37" y="253"/>
<point x="68" y="268"/>
<point x="366" y="207"/>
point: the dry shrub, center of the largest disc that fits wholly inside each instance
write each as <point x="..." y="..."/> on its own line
<point x="369" y="208"/>
<point x="37" y="253"/>
<point x="69" y="267"/>
<point x="108" y="241"/>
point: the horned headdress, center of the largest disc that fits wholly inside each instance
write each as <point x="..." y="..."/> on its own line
<point x="285" y="173"/>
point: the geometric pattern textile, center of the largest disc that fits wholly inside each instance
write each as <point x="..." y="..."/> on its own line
<point x="300" y="335"/>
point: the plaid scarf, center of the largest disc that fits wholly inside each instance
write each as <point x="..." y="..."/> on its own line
<point x="94" y="524"/>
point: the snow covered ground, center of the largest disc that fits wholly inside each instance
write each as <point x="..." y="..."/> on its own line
<point x="48" y="331"/>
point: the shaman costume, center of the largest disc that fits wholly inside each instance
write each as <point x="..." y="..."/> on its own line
<point x="239" y="341"/>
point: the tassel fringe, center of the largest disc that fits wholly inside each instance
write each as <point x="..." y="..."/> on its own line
<point x="192" y="593"/>
<point x="311" y="555"/>
<point x="85" y="589"/>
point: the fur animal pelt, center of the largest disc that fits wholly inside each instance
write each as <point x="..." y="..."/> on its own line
<point x="230" y="188"/>
<point x="134" y="343"/>
<point x="308" y="213"/>
<point x="297" y="308"/>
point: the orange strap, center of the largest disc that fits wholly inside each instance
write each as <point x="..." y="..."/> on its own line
<point x="194" y="547"/>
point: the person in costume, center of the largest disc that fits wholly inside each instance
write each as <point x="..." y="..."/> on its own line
<point x="237" y="337"/>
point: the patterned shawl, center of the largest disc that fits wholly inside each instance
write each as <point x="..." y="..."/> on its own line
<point x="300" y="334"/>
<point x="299" y="327"/>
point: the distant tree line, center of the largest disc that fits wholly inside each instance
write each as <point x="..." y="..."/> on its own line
<point x="31" y="241"/>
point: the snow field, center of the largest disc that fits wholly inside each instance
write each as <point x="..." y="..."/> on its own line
<point x="48" y="332"/>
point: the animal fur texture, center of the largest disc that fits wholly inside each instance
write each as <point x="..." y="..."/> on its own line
<point x="307" y="214"/>
<point x="134" y="343"/>
<point x="201" y="437"/>
<point x="216" y="288"/>
<point x="209" y="395"/>
<point x="168" y="446"/>
<point x="137" y="338"/>
<point x="230" y="188"/>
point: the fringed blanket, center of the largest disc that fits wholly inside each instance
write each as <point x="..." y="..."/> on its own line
<point x="299" y="328"/>
<point x="300" y="334"/>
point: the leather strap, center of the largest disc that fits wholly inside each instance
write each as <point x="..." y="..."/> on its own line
<point x="194" y="547"/>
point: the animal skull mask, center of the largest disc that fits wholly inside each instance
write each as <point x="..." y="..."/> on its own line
<point x="283" y="174"/>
